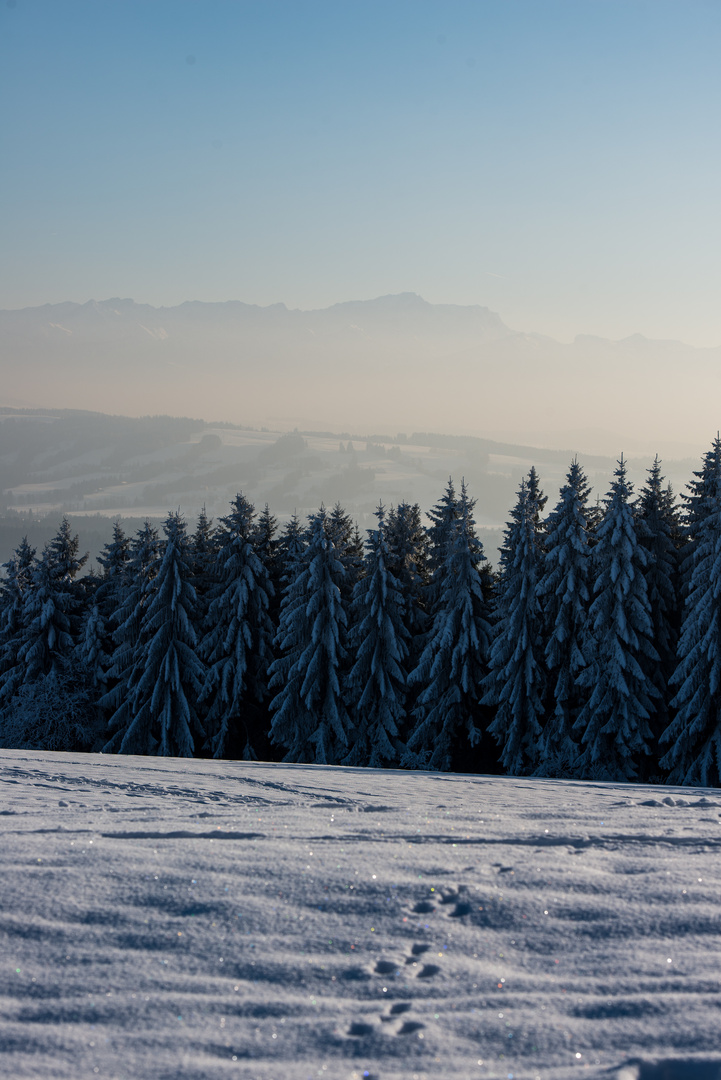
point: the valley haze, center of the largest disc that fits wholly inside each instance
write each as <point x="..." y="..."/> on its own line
<point x="394" y="363"/>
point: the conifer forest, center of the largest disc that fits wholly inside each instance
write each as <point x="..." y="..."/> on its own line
<point x="594" y="652"/>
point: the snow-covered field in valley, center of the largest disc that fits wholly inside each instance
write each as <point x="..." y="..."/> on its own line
<point x="192" y="919"/>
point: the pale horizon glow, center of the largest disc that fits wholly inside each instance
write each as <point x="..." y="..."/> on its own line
<point x="555" y="162"/>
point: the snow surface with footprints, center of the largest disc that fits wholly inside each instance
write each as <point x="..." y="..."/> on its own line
<point x="195" y="919"/>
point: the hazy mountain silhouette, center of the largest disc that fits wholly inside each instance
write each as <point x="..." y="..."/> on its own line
<point x="393" y="363"/>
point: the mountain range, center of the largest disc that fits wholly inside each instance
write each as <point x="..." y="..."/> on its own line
<point x="395" y="363"/>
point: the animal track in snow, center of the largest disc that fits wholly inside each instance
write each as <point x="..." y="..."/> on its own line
<point x="405" y="1026"/>
<point x="428" y="971"/>
<point x="423" y="970"/>
<point x="359" y="1029"/>
<point x="424" y="907"/>
<point x="461" y="906"/>
<point x="362" y="1029"/>
<point x="409" y="1027"/>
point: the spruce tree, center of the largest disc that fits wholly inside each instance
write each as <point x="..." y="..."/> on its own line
<point x="440" y="537"/>
<point x="614" y="722"/>
<point x="310" y="719"/>
<point x="19" y="571"/>
<point x="91" y="651"/>
<point x="658" y="527"/>
<point x="441" y="533"/>
<point x="203" y="545"/>
<point x="202" y="554"/>
<point x="291" y="545"/>
<point x="563" y="590"/>
<point x="407" y="560"/>
<point x="237" y="646"/>
<point x="95" y="648"/>
<point x="349" y="549"/>
<point x="142" y="566"/>
<point x="699" y="496"/>
<point x="45" y="692"/>
<point x="114" y="559"/>
<point x="454" y="660"/>
<point x="168" y="675"/>
<point x="701" y="492"/>
<point x="52" y="607"/>
<point x="348" y="544"/>
<point x="266" y="542"/>
<point x="538" y="503"/>
<point x="376" y="683"/>
<point x="693" y="737"/>
<point x="267" y="546"/>
<point x="516" y="681"/>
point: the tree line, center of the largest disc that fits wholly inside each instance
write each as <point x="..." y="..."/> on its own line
<point x="593" y="652"/>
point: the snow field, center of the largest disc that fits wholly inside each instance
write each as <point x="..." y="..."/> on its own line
<point x="194" y="919"/>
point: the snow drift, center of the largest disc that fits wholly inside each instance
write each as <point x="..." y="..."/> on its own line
<point x="204" y="919"/>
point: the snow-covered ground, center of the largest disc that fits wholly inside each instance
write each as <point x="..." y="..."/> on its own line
<point x="189" y="919"/>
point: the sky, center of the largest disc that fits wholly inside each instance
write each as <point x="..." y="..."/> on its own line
<point x="555" y="160"/>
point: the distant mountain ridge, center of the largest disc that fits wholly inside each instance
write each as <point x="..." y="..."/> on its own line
<point x="386" y="314"/>
<point x="395" y="362"/>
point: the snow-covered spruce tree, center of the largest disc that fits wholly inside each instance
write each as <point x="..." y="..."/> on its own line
<point x="56" y="712"/>
<point x="407" y="560"/>
<point x="114" y="559"/>
<point x="237" y="645"/>
<point x="203" y="545"/>
<point x="701" y="492"/>
<point x="454" y="660"/>
<point x="51" y="706"/>
<point x="13" y="593"/>
<point x="420" y="579"/>
<point x="658" y="528"/>
<point x="91" y="655"/>
<point x="564" y="593"/>
<point x="310" y="718"/>
<point x="291" y="545"/>
<point x="267" y="547"/>
<point x="699" y="495"/>
<point x="376" y="683"/>
<point x="516" y="681"/>
<point x="52" y="608"/>
<point x="538" y="502"/>
<point x="94" y="649"/>
<point x="441" y="534"/>
<point x="350" y="552"/>
<point x="203" y="549"/>
<point x="266" y="542"/>
<point x="348" y="544"/>
<point x="168" y="674"/>
<point x="440" y="537"/>
<point x="126" y="621"/>
<point x="614" y="721"/>
<point x="693" y="737"/>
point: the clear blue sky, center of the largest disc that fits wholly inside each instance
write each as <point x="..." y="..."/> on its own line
<point x="556" y="160"/>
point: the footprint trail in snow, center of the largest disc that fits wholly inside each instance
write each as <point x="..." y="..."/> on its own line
<point x="195" y="919"/>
